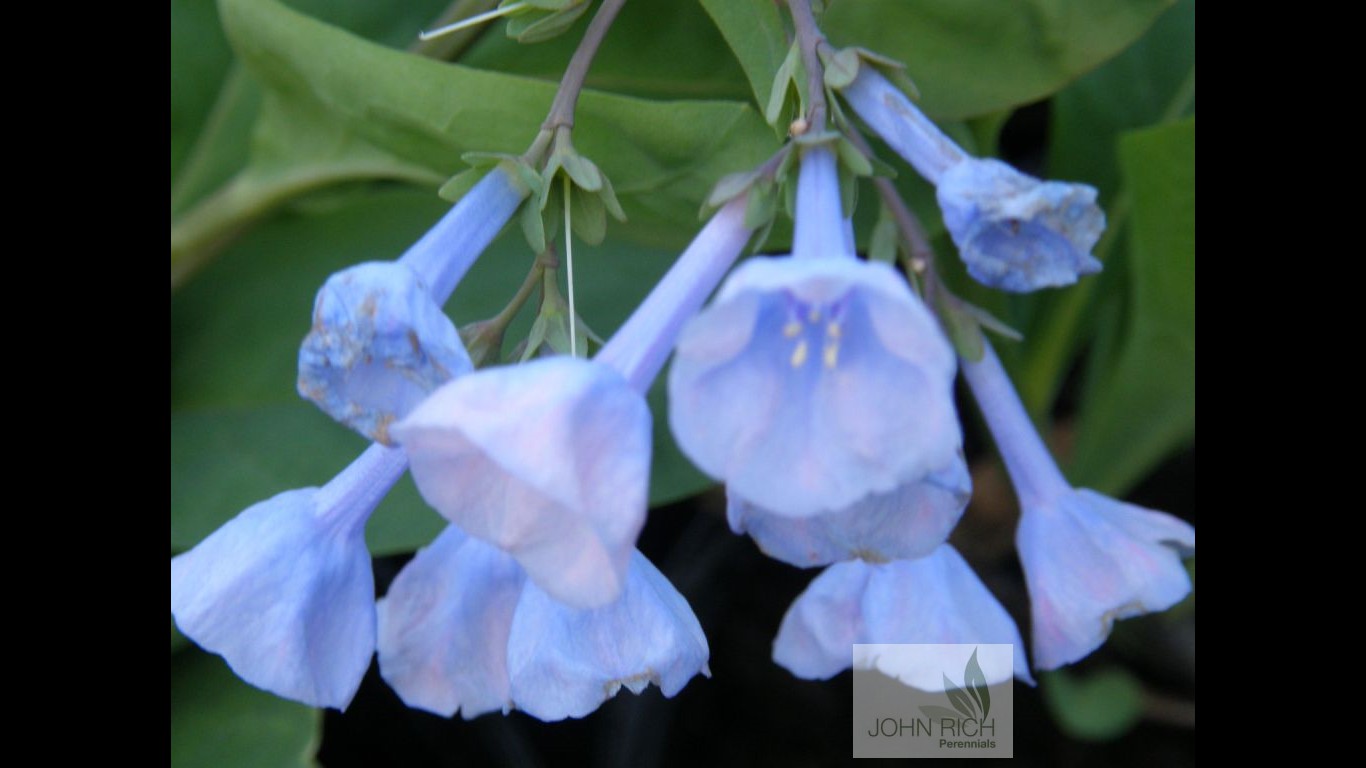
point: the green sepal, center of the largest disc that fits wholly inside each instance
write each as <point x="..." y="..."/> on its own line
<point x="582" y="171"/>
<point x="587" y="215"/>
<point x="959" y="323"/>
<point x="730" y="186"/>
<point x="532" y="227"/>
<point x="533" y="27"/>
<point x="853" y="159"/>
<point x="761" y="205"/>
<point x="817" y="138"/>
<point x="848" y="190"/>
<point x="777" y="97"/>
<point x="457" y="185"/>
<point x="841" y="67"/>
<point x="609" y="199"/>
<point x="885" y="240"/>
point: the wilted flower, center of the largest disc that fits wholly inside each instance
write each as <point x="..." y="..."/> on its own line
<point x="933" y="599"/>
<point x="814" y="380"/>
<point x="463" y="629"/>
<point x="908" y="522"/>
<point x="1088" y="559"/>
<point x="380" y="342"/>
<point x="284" y="591"/>
<point x="550" y="460"/>
<point x="1014" y="232"/>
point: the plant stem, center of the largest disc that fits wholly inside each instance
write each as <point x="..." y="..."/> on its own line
<point x="809" y="38"/>
<point x="529" y="284"/>
<point x="567" y="97"/>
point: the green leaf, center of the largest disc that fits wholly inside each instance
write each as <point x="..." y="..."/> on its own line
<point x="761" y="205"/>
<point x="218" y="720"/>
<point x="537" y="28"/>
<point x="1144" y="406"/>
<point x="662" y="157"/>
<point x="886" y="239"/>
<point x="754" y="31"/>
<point x="841" y="68"/>
<point x="973" y="57"/>
<point x="1098" y="707"/>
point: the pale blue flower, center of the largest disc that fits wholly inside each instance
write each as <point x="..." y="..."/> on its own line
<point x="1014" y="232"/>
<point x="443" y="626"/>
<point x="463" y="629"/>
<point x="284" y="591"/>
<point x="814" y="380"/>
<point x="908" y="522"/>
<point x="380" y="341"/>
<point x="933" y="599"/>
<point x="550" y="460"/>
<point x="1088" y="559"/>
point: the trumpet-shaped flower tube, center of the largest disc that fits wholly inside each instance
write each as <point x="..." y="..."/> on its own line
<point x="815" y="380"/>
<point x="1088" y="559"/>
<point x="1015" y="232"/>
<point x="908" y="522"/>
<point x="380" y="342"/>
<point x="933" y="599"/>
<point x="284" y="591"/>
<point x="549" y="460"/>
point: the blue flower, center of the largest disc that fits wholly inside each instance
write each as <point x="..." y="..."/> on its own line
<point x="1088" y="559"/>
<point x="550" y="460"/>
<point x="814" y="380"/>
<point x="933" y="599"/>
<point x="463" y="629"/>
<point x="380" y="341"/>
<point x="1014" y="232"/>
<point x="284" y="590"/>
<point x="908" y="522"/>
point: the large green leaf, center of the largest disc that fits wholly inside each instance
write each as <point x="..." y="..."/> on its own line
<point x="240" y="434"/>
<point x="218" y="720"/>
<point x="1144" y="406"/>
<point x="662" y="157"/>
<point x="754" y="31"/>
<point x="973" y="57"/>
<point x="1150" y="83"/>
<point x="663" y="49"/>
<point x="1098" y="707"/>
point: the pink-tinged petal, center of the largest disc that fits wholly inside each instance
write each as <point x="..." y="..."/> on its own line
<point x="565" y="662"/>
<point x="548" y="460"/>
<point x="443" y="627"/>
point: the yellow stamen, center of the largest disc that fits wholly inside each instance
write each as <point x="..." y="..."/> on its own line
<point x="833" y="330"/>
<point x="799" y="354"/>
<point x="832" y="354"/>
<point x="814" y="316"/>
<point x="792" y="329"/>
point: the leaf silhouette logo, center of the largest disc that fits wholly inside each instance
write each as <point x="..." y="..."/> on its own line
<point x="969" y="700"/>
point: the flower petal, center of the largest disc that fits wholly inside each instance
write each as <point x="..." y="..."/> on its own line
<point x="1089" y="560"/>
<point x="443" y="627"/>
<point x="379" y="345"/>
<point x="1018" y="233"/>
<point x="285" y="597"/>
<point x="548" y="460"/>
<point x="565" y="662"/>
<point x="840" y="387"/>
<point x="909" y="522"/>
<point x="934" y="599"/>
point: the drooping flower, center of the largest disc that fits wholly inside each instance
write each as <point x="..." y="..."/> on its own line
<point x="933" y="599"/>
<point x="463" y="629"/>
<point x="1015" y="232"/>
<point x="814" y="380"/>
<point x="1088" y="559"/>
<point x="380" y="342"/>
<point x="906" y="523"/>
<point x="284" y="591"/>
<point x="549" y="460"/>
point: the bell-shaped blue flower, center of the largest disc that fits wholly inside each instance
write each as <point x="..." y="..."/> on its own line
<point x="443" y="626"/>
<point x="380" y="342"/>
<point x="284" y="591"/>
<point x="564" y="662"/>
<point x="815" y="380"/>
<point x="933" y="599"/>
<point x="1014" y="232"/>
<point x="463" y="629"/>
<point x="1088" y="559"/>
<point x="908" y="522"/>
<point x="550" y="460"/>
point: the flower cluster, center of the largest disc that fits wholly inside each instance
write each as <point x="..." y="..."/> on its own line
<point x="534" y="597"/>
